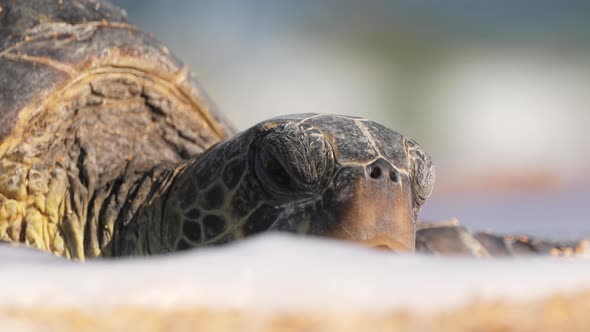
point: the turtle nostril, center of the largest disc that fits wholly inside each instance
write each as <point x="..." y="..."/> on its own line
<point x="381" y="169"/>
<point x="394" y="176"/>
<point x="375" y="172"/>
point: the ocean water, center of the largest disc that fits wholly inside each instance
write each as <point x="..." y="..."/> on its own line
<point x="559" y="215"/>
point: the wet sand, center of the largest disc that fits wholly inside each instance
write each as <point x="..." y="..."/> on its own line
<point x="558" y="312"/>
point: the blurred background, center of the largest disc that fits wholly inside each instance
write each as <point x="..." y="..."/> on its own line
<point x="497" y="92"/>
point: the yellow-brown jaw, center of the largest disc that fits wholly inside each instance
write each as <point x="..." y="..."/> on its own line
<point x="377" y="211"/>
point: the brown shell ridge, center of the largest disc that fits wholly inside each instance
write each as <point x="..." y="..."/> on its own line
<point x="172" y="82"/>
<point x="19" y="19"/>
<point x="47" y="30"/>
<point x="43" y="60"/>
<point x="48" y="46"/>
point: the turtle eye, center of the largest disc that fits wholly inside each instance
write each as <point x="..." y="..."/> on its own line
<point x="293" y="160"/>
<point x="275" y="170"/>
<point x="272" y="173"/>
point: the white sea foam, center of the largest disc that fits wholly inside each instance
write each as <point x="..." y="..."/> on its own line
<point x="281" y="272"/>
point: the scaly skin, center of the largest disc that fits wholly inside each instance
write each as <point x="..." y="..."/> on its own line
<point x="31" y="207"/>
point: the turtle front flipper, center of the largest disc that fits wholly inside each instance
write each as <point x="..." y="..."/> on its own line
<point x="450" y="238"/>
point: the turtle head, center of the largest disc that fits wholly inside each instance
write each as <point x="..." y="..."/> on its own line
<point x="326" y="175"/>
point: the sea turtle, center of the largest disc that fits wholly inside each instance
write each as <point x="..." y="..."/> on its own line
<point x="109" y="147"/>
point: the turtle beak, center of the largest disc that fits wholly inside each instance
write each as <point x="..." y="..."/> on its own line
<point x="375" y="209"/>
